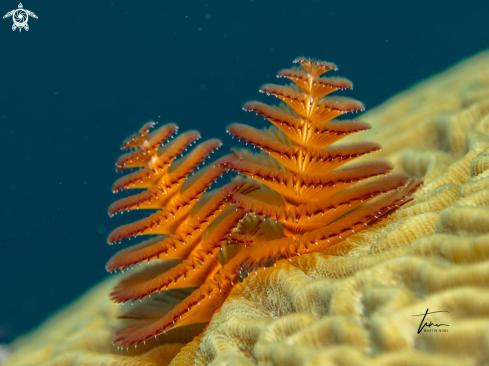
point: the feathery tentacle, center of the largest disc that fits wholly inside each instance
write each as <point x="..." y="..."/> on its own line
<point x="300" y="195"/>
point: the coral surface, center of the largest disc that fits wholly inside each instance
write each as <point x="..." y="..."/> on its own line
<point x="353" y="303"/>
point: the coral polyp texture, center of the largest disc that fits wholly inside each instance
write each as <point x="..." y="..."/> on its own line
<point x="299" y="195"/>
<point x="349" y="303"/>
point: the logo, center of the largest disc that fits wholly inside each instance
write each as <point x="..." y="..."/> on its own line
<point x="431" y="324"/>
<point x="20" y="17"/>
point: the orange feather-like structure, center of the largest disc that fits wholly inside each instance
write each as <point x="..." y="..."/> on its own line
<point x="297" y="197"/>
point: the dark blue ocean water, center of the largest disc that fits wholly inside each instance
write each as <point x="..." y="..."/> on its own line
<point x="88" y="73"/>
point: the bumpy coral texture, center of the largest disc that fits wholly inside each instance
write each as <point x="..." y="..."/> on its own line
<point x="351" y="304"/>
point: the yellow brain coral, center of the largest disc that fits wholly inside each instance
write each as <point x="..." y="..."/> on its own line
<point x="352" y="304"/>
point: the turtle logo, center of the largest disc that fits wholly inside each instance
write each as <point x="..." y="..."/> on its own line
<point x="20" y="17"/>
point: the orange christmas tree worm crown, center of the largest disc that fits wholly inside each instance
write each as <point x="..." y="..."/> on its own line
<point x="299" y="194"/>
